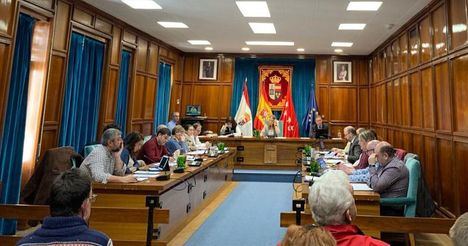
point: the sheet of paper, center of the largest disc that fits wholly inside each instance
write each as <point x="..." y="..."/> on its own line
<point x="361" y="186"/>
<point x="141" y="179"/>
<point x="196" y="152"/>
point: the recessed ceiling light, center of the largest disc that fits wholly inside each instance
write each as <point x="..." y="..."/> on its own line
<point x="364" y="6"/>
<point x="208" y="48"/>
<point x="245" y="48"/>
<point x="300" y="49"/>
<point x="253" y="8"/>
<point x="142" y="4"/>
<point x="338" y="50"/>
<point x="352" y="26"/>
<point x="199" y="42"/>
<point x="262" y="28"/>
<point x="270" y="43"/>
<point x="342" y="44"/>
<point x="169" y="24"/>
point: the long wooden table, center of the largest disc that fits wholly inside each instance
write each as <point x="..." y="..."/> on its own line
<point x="183" y="194"/>
<point x="271" y="153"/>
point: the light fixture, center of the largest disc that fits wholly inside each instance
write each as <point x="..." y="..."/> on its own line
<point x="262" y="28"/>
<point x="170" y="24"/>
<point x="364" y="5"/>
<point x="300" y="49"/>
<point x="338" y="50"/>
<point x="270" y="43"/>
<point x="245" y="48"/>
<point x="253" y="8"/>
<point x="142" y="4"/>
<point x="342" y="44"/>
<point x="352" y="26"/>
<point x="199" y="42"/>
<point x="208" y="48"/>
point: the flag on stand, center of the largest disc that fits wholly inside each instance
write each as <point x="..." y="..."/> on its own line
<point x="312" y="110"/>
<point x="263" y="111"/>
<point x="243" y="116"/>
<point x="288" y="117"/>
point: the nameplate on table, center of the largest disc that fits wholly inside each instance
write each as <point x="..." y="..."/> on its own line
<point x="361" y="187"/>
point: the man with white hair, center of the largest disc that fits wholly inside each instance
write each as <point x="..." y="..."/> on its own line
<point x="333" y="207"/>
<point x="459" y="231"/>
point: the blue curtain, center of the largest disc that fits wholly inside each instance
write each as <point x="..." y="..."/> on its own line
<point x="303" y="81"/>
<point x="82" y="93"/>
<point x="163" y="96"/>
<point x="122" y="96"/>
<point x="11" y="151"/>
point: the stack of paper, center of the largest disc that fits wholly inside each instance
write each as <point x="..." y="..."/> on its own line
<point x="361" y="186"/>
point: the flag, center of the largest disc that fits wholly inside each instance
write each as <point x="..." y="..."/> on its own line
<point x="243" y="116"/>
<point x="263" y="111"/>
<point x="312" y="110"/>
<point x="288" y="117"/>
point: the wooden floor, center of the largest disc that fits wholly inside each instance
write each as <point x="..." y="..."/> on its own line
<point x="193" y="226"/>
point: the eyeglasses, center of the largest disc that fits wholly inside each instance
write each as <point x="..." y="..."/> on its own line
<point x="92" y="198"/>
<point x="370" y="151"/>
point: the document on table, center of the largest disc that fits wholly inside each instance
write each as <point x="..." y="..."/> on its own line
<point x="361" y="186"/>
<point x="144" y="175"/>
<point x="196" y="152"/>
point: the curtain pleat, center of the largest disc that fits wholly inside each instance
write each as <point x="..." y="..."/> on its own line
<point x="81" y="102"/>
<point x="122" y="96"/>
<point x="12" y="140"/>
<point x="163" y="95"/>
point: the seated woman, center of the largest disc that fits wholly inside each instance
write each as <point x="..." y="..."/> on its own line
<point x="230" y="128"/>
<point x="271" y="129"/>
<point x="190" y="137"/>
<point x="177" y="141"/>
<point x="307" y="235"/>
<point x="133" y="143"/>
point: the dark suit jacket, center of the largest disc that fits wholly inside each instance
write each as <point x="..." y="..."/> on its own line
<point x="319" y="133"/>
<point x="354" y="151"/>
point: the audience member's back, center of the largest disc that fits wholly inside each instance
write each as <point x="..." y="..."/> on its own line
<point x="70" y="208"/>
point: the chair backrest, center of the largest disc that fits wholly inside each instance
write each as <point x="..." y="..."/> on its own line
<point x="414" y="173"/>
<point x="89" y="148"/>
<point x="280" y="126"/>
<point x="146" y="138"/>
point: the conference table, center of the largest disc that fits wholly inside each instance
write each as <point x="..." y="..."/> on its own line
<point x="184" y="194"/>
<point x="271" y="153"/>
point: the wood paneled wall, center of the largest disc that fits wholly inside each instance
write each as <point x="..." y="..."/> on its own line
<point x="338" y="102"/>
<point x="342" y="104"/>
<point x="75" y="15"/>
<point x="419" y="97"/>
<point x="213" y="96"/>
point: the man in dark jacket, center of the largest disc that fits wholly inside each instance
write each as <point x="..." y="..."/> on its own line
<point x="70" y="208"/>
<point x="354" y="148"/>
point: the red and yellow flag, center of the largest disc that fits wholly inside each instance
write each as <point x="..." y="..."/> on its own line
<point x="263" y="112"/>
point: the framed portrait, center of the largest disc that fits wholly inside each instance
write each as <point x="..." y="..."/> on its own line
<point x="208" y="69"/>
<point x="342" y="72"/>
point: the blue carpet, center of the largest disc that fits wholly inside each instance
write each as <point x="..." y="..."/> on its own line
<point x="249" y="216"/>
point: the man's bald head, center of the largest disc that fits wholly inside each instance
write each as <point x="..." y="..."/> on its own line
<point x="381" y="144"/>
<point x="384" y="152"/>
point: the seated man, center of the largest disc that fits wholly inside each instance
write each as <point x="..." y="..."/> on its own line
<point x="70" y="208"/>
<point x="104" y="164"/>
<point x="390" y="178"/>
<point x="319" y="129"/>
<point x="333" y="207"/>
<point x="354" y="150"/>
<point x="198" y="131"/>
<point x="153" y="150"/>
<point x="459" y="231"/>
<point x="177" y="141"/>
